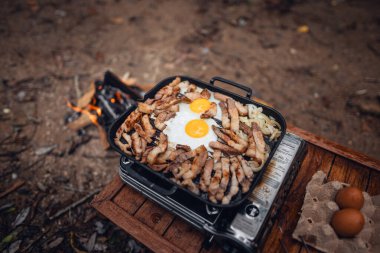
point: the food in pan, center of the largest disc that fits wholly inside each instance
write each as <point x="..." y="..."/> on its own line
<point x="204" y="141"/>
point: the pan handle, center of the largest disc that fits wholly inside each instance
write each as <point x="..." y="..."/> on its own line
<point x="145" y="181"/>
<point x="238" y="85"/>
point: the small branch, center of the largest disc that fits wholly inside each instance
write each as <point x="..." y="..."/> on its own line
<point x="73" y="205"/>
<point x="17" y="184"/>
<point x="76" y="85"/>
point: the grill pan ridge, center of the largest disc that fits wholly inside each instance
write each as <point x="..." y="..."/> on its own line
<point x="157" y="180"/>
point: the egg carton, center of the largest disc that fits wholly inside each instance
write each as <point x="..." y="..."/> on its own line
<point x="314" y="224"/>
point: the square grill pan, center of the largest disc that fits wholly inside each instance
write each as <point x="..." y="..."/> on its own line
<point x="159" y="181"/>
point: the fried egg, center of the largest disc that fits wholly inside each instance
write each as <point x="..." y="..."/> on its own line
<point x="188" y="128"/>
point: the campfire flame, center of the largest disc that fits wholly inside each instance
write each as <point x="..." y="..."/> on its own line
<point x="92" y="117"/>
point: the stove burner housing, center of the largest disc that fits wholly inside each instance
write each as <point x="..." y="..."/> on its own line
<point x="239" y="228"/>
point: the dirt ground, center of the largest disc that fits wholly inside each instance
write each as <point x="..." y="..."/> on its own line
<point x="318" y="63"/>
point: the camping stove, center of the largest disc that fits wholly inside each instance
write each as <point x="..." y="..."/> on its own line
<point x="241" y="228"/>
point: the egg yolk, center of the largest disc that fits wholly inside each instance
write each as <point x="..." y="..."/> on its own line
<point x="196" y="128"/>
<point x="200" y="105"/>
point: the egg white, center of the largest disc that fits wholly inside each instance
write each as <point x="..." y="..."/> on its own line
<point x="175" y="127"/>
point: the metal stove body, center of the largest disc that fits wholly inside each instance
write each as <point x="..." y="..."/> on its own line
<point x="246" y="226"/>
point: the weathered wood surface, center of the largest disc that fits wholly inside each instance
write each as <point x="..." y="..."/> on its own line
<point x="336" y="148"/>
<point x="161" y="231"/>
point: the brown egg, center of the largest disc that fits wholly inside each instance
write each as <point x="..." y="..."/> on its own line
<point x="349" y="197"/>
<point x="347" y="222"/>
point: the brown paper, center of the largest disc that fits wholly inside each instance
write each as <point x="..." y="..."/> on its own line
<point x="317" y="210"/>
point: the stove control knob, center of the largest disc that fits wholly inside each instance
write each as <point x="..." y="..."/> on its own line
<point x="252" y="211"/>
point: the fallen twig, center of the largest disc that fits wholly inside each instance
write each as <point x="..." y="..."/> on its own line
<point x="13" y="153"/>
<point x="73" y="205"/>
<point x="17" y="184"/>
<point x="76" y="85"/>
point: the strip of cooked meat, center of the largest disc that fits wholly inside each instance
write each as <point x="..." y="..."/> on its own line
<point x="179" y="169"/>
<point x="136" y="145"/>
<point x="245" y="185"/>
<point x="145" y="108"/>
<point x="149" y="101"/>
<point x="255" y="166"/>
<point x="133" y="118"/>
<point x="227" y="139"/>
<point x="225" y="118"/>
<point x="192" y="96"/>
<point x="145" y="154"/>
<point x="183" y="147"/>
<point x="119" y="132"/>
<point x="174" y="108"/>
<point x="234" y="114"/>
<point x="238" y="169"/>
<point x="190" y="154"/>
<point x="164" y="92"/>
<point x="217" y="155"/>
<point x="159" y="122"/>
<point x="165" y="157"/>
<point x="127" y="138"/>
<point x="142" y="133"/>
<point x="234" y="186"/>
<point x="215" y="180"/>
<point x="245" y="166"/>
<point x="245" y="128"/>
<point x="176" y="153"/>
<point x="225" y="178"/>
<point x="236" y="138"/>
<point x="160" y="148"/>
<point x="205" y="94"/>
<point x="175" y="82"/>
<point x="251" y="150"/>
<point x="168" y="103"/>
<point x="149" y="129"/>
<point x="220" y="96"/>
<point x="158" y="167"/>
<point x="211" y="112"/>
<point x="143" y="145"/>
<point x="191" y="88"/>
<point x="206" y="176"/>
<point x="122" y="146"/>
<point x="242" y="109"/>
<point x="260" y="143"/>
<point x="212" y="198"/>
<point x="223" y="147"/>
<point x="189" y="184"/>
<point x="197" y="165"/>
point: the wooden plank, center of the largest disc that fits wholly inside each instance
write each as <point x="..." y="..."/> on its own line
<point x="136" y="229"/>
<point x="373" y="187"/>
<point x="346" y="171"/>
<point x="109" y="191"/>
<point x="154" y="216"/>
<point x="215" y="248"/>
<point x="184" y="236"/>
<point x="336" y="148"/>
<point x="129" y="199"/>
<point x="316" y="159"/>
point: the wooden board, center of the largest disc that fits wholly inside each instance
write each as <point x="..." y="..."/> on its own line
<point x="161" y="231"/>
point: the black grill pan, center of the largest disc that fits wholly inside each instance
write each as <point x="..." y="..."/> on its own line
<point x="161" y="183"/>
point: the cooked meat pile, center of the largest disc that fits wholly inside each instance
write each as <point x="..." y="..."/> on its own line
<point x="238" y="154"/>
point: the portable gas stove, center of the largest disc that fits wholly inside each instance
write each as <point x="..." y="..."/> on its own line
<point x="241" y="228"/>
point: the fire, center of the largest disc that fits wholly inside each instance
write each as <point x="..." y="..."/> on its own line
<point x="92" y="117"/>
